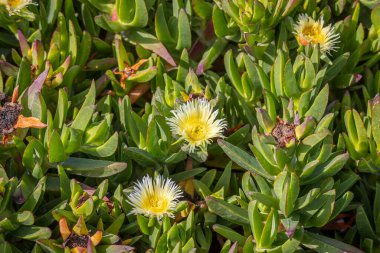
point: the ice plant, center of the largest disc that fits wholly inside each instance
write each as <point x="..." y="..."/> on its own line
<point x="79" y="239"/>
<point x="155" y="197"/>
<point x="15" y="6"/>
<point x="308" y="31"/>
<point x="195" y="122"/>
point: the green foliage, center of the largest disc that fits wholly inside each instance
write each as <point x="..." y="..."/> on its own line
<point x="295" y="169"/>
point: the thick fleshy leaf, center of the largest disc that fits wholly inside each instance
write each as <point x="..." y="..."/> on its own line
<point x="150" y="42"/>
<point x="323" y="244"/>
<point x="93" y="168"/>
<point x="243" y="159"/>
<point x="227" y="211"/>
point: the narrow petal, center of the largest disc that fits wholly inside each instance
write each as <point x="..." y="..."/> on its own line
<point x="26" y="122"/>
<point x="96" y="238"/>
<point x="138" y="64"/>
<point x="64" y="228"/>
<point x="155" y="197"/>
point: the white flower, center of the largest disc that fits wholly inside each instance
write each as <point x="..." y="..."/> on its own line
<point x="309" y="31"/>
<point x="155" y="197"/>
<point x="196" y="123"/>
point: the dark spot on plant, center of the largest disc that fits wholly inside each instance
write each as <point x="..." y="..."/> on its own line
<point x="193" y="96"/>
<point x="3" y="97"/>
<point x="75" y="240"/>
<point x="8" y="117"/>
<point x="82" y="199"/>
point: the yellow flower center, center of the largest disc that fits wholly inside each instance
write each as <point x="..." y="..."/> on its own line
<point x="156" y="204"/>
<point x="196" y="131"/>
<point x="14" y="3"/>
<point x="312" y="34"/>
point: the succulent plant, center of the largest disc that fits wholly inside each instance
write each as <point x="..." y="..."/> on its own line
<point x="293" y="186"/>
<point x="367" y="215"/>
<point x="17" y="223"/>
<point x="361" y="137"/>
<point x="189" y="126"/>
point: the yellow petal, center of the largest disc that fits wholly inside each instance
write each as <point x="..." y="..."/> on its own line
<point x="96" y="238"/>
<point x="185" y="96"/>
<point x="79" y="250"/>
<point x="25" y="122"/>
<point x="64" y="228"/>
<point x="138" y="64"/>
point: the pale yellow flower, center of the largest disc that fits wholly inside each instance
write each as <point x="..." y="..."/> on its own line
<point x="155" y="197"/>
<point x="15" y="6"/>
<point x="195" y="122"/>
<point x="308" y="31"/>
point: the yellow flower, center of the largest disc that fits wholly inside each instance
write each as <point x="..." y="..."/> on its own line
<point x="309" y="31"/>
<point x="196" y="123"/>
<point x="15" y="6"/>
<point x="155" y="197"/>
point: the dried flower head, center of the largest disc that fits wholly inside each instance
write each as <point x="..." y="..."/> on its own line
<point x="11" y="118"/>
<point x="79" y="239"/>
<point x="308" y="31"/>
<point x="195" y="122"/>
<point x="155" y="197"/>
<point x="284" y="133"/>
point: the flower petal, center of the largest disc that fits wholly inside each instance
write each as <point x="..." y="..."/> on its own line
<point x="25" y="122"/>
<point x="155" y="197"/>
<point x="64" y="228"/>
<point x="96" y="238"/>
<point x="138" y="64"/>
<point x="79" y="250"/>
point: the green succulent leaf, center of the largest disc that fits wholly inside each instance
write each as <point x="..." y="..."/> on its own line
<point x="227" y="211"/>
<point x="92" y="168"/>
<point x="243" y="159"/>
<point x="325" y="244"/>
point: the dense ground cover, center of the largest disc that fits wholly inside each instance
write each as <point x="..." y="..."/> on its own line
<point x="190" y="126"/>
